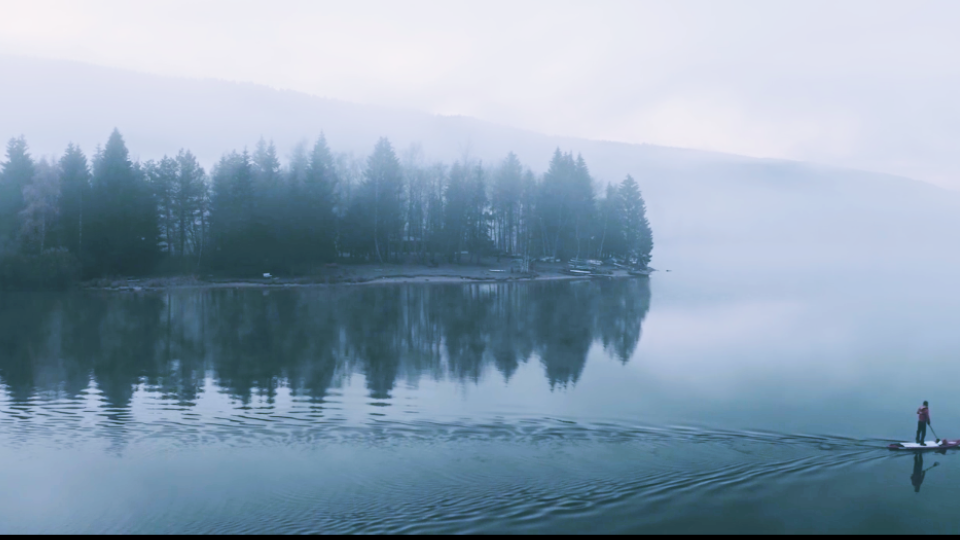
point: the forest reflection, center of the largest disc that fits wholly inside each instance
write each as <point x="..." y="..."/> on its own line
<point x="250" y="342"/>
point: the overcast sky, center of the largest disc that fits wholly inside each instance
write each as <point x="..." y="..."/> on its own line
<point x="869" y="84"/>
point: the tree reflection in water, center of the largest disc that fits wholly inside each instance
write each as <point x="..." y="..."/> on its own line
<point x="250" y="342"/>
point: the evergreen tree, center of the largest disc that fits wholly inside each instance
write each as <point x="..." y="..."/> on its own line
<point x="436" y="184"/>
<point x="299" y="162"/>
<point x="293" y="227"/>
<point x="565" y="207"/>
<point x="349" y="171"/>
<point x="266" y="239"/>
<point x="357" y="232"/>
<point x="222" y="210"/>
<point x="612" y="241"/>
<point x="528" y="225"/>
<point x="232" y="214"/>
<point x="456" y="208"/>
<point x="74" y="199"/>
<point x="15" y="174"/>
<point x="383" y="192"/>
<point x="555" y="212"/>
<point x="477" y="217"/>
<point x="506" y="202"/>
<point x="637" y="234"/>
<point x="163" y="179"/>
<point x="186" y="199"/>
<point x="201" y="231"/>
<point x="417" y="190"/>
<point x="38" y="219"/>
<point x="124" y="230"/>
<point x="582" y="206"/>
<point x="320" y="199"/>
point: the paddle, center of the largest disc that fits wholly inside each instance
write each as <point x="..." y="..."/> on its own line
<point x="934" y="433"/>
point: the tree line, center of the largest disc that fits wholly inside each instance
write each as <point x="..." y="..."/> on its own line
<point x="113" y="216"/>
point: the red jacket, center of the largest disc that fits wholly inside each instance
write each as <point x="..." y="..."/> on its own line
<point x="923" y="415"/>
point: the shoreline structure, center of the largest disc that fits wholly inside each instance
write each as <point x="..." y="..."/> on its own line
<point x="365" y="274"/>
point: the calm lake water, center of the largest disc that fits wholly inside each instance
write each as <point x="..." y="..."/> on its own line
<point x="712" y="398"/>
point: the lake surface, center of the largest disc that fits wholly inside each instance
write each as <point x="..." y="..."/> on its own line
<point x="711" y="399"/>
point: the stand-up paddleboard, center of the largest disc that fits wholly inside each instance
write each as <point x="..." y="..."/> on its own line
<point x="931" y="445"/>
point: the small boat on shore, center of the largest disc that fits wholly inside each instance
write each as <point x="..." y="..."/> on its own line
<point x="579" y="267"/>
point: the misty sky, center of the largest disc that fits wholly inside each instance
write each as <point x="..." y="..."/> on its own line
<point x="869" y="84"/>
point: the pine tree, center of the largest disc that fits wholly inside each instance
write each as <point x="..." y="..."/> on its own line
<point x="383" y="189"/>
<point x="222" y="210"/>
<point x="74" y="199"/>
<point x="528" y="226"/>
<point x="320" y="196"/>
<point x="611" y="224"/>
<point x="38" y="219"/>
<point x="349" y="172"/>
<point x="436" y="184"/>
<point x="294" y="234"/>
<point x="232" y="215"/>
<point x="582" y="206"/>
<point x="506" y="200"/>
<point x="456" y="207"/>
<point x="299" y="162"/>
<point x="201" y="231"/>
<point x="124" y="229"/>
<point x="15" y="174"/>
<point x="186" y="195"/>
<point x="266" y="239"/>
<point x="637" y="234"/>
<point x="163" y="179"/>
<point x="477" y="218"/>
<point x="558" y="207"/>
<point x="357" y="232"/>
<point x="417" y="189"/>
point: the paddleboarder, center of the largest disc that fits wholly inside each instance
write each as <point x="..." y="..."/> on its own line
<point x="923" y="420"/>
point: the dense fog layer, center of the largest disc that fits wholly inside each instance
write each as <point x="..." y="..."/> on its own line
<point x="693" y="198"/>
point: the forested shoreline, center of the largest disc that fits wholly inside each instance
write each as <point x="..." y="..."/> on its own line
<point x="70" y="218"/>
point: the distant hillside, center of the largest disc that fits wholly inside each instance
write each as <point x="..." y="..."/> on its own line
<point x="693" y="197"/>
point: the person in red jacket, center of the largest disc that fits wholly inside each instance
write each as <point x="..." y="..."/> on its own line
<point x="923" y="420"/>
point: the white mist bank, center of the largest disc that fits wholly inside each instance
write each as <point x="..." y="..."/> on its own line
<point x="696" y="200"/>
